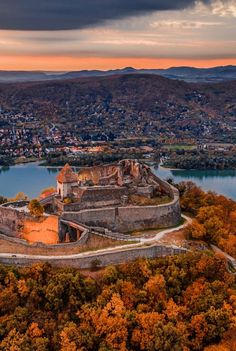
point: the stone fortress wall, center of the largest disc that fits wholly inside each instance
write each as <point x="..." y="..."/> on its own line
<point x="11" y="219"/>
<point x="94" y="197"/>
<point x="103" y="209"/>
<point x="126" y="219"/>
<point x="99" y="175"/>
<point x="85" y="261"/>
<point x="109" y="212"/>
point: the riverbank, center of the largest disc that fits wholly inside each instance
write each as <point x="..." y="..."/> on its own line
<point x="161" y="166"/>
<point x="20" y="161"/>
<point x="200" y="160"/>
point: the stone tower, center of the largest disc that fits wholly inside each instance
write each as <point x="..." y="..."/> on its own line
<point x="66" y="180"/>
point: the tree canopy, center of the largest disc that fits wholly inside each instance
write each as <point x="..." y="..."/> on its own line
<point x="185" y="302"/>
<point x="36" y="209"/>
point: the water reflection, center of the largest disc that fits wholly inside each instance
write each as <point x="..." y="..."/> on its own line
<point x="204" y="174"/>
<point x="53" y="170"/>
<point x="4" y="169"/>
<point x="29" y="178"/>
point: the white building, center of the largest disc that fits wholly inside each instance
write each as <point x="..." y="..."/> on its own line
<point x="66" y="180"/>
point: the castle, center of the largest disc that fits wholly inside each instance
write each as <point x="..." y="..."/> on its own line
<point x="116" y="198"/>
<point x="127" y="177"/>
<point x="111" y="200"/>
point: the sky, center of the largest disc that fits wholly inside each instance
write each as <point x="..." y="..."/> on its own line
<point x="55" y="35"/>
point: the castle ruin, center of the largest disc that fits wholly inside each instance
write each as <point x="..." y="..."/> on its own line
<point x="112" y="200"/>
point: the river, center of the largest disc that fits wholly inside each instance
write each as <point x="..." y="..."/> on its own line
<point x="220" y="181"/>
<point x="29" y="178"/>
<point x="32" y="178"/>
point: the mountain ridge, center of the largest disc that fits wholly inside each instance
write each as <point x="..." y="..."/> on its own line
<point x="185" y="73"/>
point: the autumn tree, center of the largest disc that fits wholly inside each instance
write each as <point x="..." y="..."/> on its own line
<point x="110" y="323"/>
<point x="70" y="338"/>
<point x="47" y="192"/>
<point x="20" y="197"/>
<point x="180" y="303"/>
<point x="195" y="230"/>
<point x="35" y="208"/>
<point x="154" y="333"/>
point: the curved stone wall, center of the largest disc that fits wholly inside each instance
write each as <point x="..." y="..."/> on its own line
<point x="125" y="219"/>
<point x="85" y="261"/>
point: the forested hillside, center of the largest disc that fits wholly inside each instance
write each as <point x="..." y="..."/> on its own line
<point x="129" y="105"/>
<point x="167" y="304"/>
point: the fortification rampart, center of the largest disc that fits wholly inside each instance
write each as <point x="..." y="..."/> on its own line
<point x="107" y="206"/>
<point x="98" y="174"/>
<point x="86" y="260"/>
<point x="113" y="216"/>
<point x="94" y="197"/>
<point x="168" y="188"/>
<point x="125" y="219"/>
<point x="11" y="220"/>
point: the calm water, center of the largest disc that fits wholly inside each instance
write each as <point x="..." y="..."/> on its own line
<point x="222" y="182"/>
<point x="31" y="179"/>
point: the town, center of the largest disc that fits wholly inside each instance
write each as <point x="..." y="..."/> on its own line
<point x="26" y="137"/>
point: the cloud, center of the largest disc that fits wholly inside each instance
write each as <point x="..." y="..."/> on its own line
<point x="223" y="9"/>
<point x="77" y="14"/>
<point x="183" y="24"/>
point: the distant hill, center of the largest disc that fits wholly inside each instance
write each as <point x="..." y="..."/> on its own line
<point x="129" y="105"/>
<point x="188" y="74"/>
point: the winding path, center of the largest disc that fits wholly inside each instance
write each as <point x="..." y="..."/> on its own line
<point x="160" y="235"/>
<point x="90" y="254"/>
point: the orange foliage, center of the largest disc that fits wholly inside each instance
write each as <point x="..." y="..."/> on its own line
<point x="34" y="331"/>
<point x="215" y="219"/>
<point x="227" y="344"/>
<point x="196" y="230"/>
<point x="22" y="288"/>
<point x="198" y="328"/>
<point x="173" y="311"/>
<point x="111" y="324"/>
<point x="155" y="287"/>
<point x="184" y="302"/>
<point x="128" y="293"/>
<point x="69" y="336"/>
<point x="144" y="334"/>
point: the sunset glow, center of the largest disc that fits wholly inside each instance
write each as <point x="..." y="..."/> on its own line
<point x="58" y="63"/>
